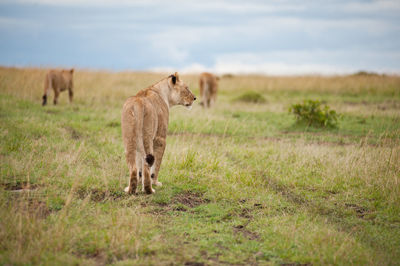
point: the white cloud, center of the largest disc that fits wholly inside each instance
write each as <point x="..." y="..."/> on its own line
<point x="271" y="6"/>
<point x="191" y="68"/>
<point x="307" y="62"/>
<point x="80" y="2"/>
<point x="294" y="63"/>
<point x="179" y="5"/>
<point x="315" y="26"/>
<point x="277" y="68"/>
<point x="13" y="23"/>
<point x="371" y="6"/>
<point x="219" y="35"/>
<point x="195" y="68"/>
<point x="175" y="43"/>
<point x="259" y="68"/>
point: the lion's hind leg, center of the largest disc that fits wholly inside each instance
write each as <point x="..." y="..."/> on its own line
<point x="56" y="94"/>
<point x="133" y="181"/>
<point x="133" y="172"/>
<point x="159" y="148"/>
<point x="148" y="162"/>
<point x="147" y="183"/>
<point x="47" y="86"/>
<point x="70" y="94"/>
<point x="128" y="125"/>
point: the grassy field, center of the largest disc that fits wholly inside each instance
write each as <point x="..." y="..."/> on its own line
<point x="242" y="182"/>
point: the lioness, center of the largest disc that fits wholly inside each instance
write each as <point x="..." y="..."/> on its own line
<point x="58" y="80"/>
<point x="144" y="125"/>
<point x="208" y="89"/>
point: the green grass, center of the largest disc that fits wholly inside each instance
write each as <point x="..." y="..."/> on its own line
<point x="242" y="183"/>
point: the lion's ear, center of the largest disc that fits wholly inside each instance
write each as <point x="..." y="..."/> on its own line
<point x="72" y="71"/>
<point x="176" y="75"/>
<point x="173" y="79"/>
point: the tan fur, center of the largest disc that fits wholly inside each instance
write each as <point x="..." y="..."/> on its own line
<point x="208" y="89"/>
<point x="58" y="81"/>
<point x="144" y="123"/>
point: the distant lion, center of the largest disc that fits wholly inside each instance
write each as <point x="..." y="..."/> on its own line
<point x="58" y="80"/>
<point x="144" y="123"/>
<point x="208" y="89"/>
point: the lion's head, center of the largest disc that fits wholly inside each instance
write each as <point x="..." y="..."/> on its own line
<point x="179" y="92"/>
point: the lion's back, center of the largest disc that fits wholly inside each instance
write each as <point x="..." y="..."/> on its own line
<point x="147" y="106"/>
<point x="208" y="81"/>
<point x="60" y="79"/>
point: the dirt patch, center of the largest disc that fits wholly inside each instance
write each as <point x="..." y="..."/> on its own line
<point x="190" y="199"/>
<point x="18" y="186"/>
<point x="296" y="264"/>
<point x="361" y="211"/>
<point x="97" y="195"/>
<point x="182" y="202"/>
<point x="193" y="263"/>
<point x="31" y="207"/>
<point x="245" y="232"/>
<point x="38" y="208"/>
<point x="180" y="209"/>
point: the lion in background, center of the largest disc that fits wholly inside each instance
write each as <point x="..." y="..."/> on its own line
<point x="58" y="81"/>
<point x="144" y="123"/>
<point x="208" y="89"/>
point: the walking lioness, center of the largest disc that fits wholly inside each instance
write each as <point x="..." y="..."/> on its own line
<point x="208" y="89"/>
<point x="58" y="80"/>
<point x="144" y="125"/>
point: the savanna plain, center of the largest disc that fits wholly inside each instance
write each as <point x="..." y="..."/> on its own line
<point x="243" y="182"/>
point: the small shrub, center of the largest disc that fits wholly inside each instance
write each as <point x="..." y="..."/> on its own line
<point x="312" y="113"/>
<point x="365" y="73"/>
<point x="250" y="97"/>
<point x="228" y="75"/>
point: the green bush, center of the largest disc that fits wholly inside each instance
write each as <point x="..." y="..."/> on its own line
<point x="314" y="114"/>
<point x="250" y="97"/>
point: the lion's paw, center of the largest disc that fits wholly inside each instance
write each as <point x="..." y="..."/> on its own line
<point x="158" y="184"/>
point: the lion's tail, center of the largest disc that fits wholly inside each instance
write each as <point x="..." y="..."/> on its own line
<point x="47" y="85"/>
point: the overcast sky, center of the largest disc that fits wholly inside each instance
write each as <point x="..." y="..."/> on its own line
<point x="270" y="37"/>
